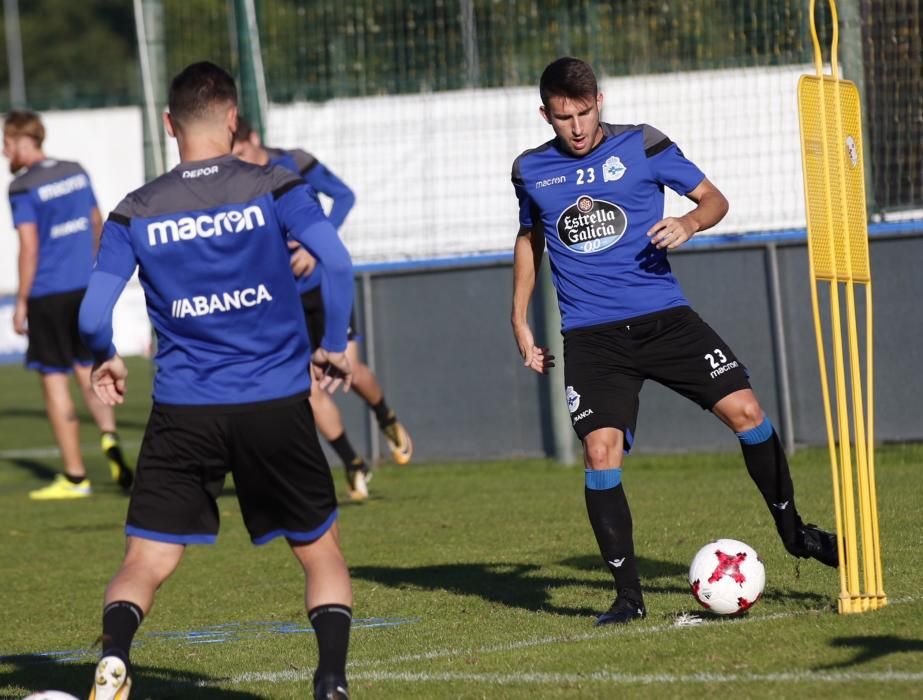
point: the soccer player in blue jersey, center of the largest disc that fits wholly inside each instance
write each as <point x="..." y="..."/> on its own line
<point x="231" y="390"/>
<point x="249" y="147"/>
<point x="594" y="196"/>
<point x="58" y="222"/>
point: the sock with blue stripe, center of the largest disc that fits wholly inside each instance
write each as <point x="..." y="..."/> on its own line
<point x="768" y="467"/>
<point x="610" y="517"/>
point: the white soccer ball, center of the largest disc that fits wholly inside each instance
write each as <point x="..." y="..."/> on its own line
<point x="50" y="695"/>
<point x="727" y="577"/>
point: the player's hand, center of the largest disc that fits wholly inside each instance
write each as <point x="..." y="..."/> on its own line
<point x="108" y="380"/>
<point x="330" y="369"/>
<point x="672" y="232"/>
<point x="301" y="261"/>
<point x="19" y="317"/>
<point x="534" y="357"/>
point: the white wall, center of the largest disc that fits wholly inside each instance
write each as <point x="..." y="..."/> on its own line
<point x="432" y="172"/>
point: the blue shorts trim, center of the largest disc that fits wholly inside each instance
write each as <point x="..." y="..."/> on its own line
<point x="295" y="536"/>
<point x="169" y="538"/>
<point x="46" y="369"/>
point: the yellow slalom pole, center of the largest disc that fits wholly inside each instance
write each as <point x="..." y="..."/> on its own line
<point x="865" y="529"/>
<point x="831" y="131"/>
<point x="822" y="356"/>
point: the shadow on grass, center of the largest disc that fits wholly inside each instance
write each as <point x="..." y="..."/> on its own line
<point x="39" y="470"/>
<point x="871" y="647"/>
<point x="36" y="672"/>
<point x="647" y="568"/>
<point x="512" y="585"/>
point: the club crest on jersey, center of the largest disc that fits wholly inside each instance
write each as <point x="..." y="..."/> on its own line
<point x="573" y="399"/>
<point x="591" y="225"/>
<point x="613" y="169"/>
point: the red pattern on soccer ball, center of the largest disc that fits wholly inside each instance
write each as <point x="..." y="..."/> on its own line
<point x="743" y="604"/>
<point x="728" y="566"/>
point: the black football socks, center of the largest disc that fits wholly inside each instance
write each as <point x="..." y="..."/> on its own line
<point x="331" y="627"/>
<point x="610" y="517"/>
<point x="121" y="620"/>
<point x="768" y="467"/>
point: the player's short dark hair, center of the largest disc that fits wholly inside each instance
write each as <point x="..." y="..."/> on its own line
<point x="243" y="130"/>
<point x="197" y="90"/>
<point x="568" y="77"/>
<point x="21" y="122"/>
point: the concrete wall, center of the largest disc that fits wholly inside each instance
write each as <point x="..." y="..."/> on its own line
<point x="445" y="356"/>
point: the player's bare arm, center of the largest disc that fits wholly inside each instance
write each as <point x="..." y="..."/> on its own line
<point x="108" y="380"/>
<point x="527" y="257"/>
<point x="28" y="264"/>
<point x="672" y="232"/>
<point x="96" y="220"/>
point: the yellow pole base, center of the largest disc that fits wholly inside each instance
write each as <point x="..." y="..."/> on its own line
<point x="848" y="605"/>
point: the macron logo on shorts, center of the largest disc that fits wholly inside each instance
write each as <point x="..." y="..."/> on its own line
<point x="205" y="226"/>
<point x="220" y="303"/>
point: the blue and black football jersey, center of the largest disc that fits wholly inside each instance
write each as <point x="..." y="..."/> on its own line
<point x="595" y="212"/>
<point x="57" y="197"/>
<point x="320" y="180"/>
<point x="209" y="239"/>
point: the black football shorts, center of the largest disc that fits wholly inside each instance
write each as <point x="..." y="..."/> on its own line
<point x="54" y="339"/>
<point x="312" y="301"/>
<point x="606" y="365"/>
<point x="281" y="475"/>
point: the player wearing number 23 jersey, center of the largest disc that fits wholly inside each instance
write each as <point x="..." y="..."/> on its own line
<point x="596" y="211"/>
<point x="593" y="196"/>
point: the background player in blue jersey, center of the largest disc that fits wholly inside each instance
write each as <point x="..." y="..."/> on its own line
<point x="231" y="390"/>
<point x="594" y="196"/>
<point x="58" y="222"/>
<point x="249" y="147"/>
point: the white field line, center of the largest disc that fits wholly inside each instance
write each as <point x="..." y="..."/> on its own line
<point x="593" y="677"/>
<point x="597" y="633"/>
<point x="598" y="677"/>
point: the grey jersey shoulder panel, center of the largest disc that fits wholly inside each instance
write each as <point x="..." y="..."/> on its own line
<point x="517" y="164"/>
<point x="304" y="160"/>
<point x="203" y="185"/>
<point x="655" y="140"/>
<point x="43" y="172"/>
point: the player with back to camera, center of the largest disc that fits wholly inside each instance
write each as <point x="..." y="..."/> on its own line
<point x="58" y="221"/>
<point x="231" y="387"/>
<point x="249" y="147"/>
<point x="594" y="196"/>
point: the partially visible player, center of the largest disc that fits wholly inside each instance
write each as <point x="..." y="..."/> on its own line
<point x="55" y="214"/>
<point x="594" y="196"/>
<point x="249" y="147"/>
<point x="231" y="388"/>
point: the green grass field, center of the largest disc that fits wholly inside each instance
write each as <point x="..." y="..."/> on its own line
<point x="471" y="580"/>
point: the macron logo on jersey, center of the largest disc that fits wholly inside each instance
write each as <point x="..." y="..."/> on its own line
<point x="204" y="226"/>
<point x="220" y="303"/>
<point x="53" y="190"/>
